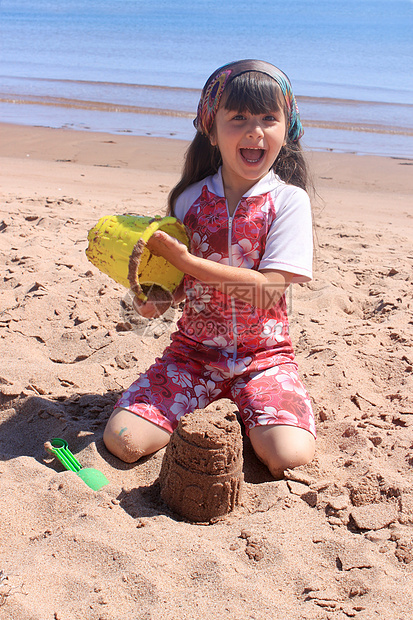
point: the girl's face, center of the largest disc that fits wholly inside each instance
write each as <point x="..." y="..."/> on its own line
<point x="249" y="144"/>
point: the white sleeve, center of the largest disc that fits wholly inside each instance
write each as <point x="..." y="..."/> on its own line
<point x="185" y="200"/>
<point x="289" y="244"/>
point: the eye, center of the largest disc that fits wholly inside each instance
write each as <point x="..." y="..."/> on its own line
<point x="238" y="117"/>
<point x="270" y="118"/>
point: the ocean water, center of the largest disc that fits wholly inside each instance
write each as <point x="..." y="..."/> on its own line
<point x="137" y="66"/>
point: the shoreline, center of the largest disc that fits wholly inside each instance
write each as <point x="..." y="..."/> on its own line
<point x="342" y="125"/>
<point x="126" y="151"/>
<point x="58" y="103"/>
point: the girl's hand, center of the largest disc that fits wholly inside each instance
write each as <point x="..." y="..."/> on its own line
<point x="162" y="244"/>
<point x="158" y="301"/>
<point x="147" y="309"/>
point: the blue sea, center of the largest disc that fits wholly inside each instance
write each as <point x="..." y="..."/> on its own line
<point x="137" y="66"/>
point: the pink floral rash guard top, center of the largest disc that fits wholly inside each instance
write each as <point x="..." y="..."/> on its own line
<point x="270" y="229"/>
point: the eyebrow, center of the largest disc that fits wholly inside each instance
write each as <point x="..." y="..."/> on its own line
<point x="246" y="111"/>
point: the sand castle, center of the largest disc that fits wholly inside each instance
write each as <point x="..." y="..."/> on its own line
<point x="201" y="476"/>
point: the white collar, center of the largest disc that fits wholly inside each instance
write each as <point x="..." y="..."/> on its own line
<point x="269" y="182"/>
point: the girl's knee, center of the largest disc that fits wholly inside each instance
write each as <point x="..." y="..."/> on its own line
<point x="282" y="447"/>
<point x="119" y="442"/>
<point x="118" y="447"/>
<point x="130" y="437"/>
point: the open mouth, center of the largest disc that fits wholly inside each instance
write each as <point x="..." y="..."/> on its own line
<point x="252" y="156"/>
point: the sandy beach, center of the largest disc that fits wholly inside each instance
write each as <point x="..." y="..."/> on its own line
<point x="332" y="540"/>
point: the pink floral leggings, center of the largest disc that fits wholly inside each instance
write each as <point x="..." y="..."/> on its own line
<point x="173" y="387"/>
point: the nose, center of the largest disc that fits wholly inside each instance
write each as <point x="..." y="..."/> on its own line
<point x="254" y="128"/>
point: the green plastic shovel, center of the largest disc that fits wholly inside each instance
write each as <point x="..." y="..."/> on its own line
<point x="92" y="477"/>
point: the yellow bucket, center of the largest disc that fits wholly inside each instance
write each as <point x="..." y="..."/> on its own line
<point x="117" y="246"/>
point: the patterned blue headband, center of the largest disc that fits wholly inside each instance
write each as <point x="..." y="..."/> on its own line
<point x="215" y="86"/>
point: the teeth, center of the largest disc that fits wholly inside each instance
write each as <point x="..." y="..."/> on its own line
<point x="245" y="151"/>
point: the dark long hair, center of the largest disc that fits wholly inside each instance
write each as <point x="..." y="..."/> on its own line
<point x="256" y="93"/>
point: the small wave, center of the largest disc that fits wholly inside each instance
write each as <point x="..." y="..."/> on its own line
<point x="351" y="102"/>
<point x="94" y="84"/>
<point x="307" y="99"/>
<point x="361" y="127"/>
<point x="99" y="106"/>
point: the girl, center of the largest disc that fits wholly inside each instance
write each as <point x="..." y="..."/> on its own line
<point x="242" y="199"/>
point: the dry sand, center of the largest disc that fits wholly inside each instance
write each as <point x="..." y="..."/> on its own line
<point x="333" y="540"/>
